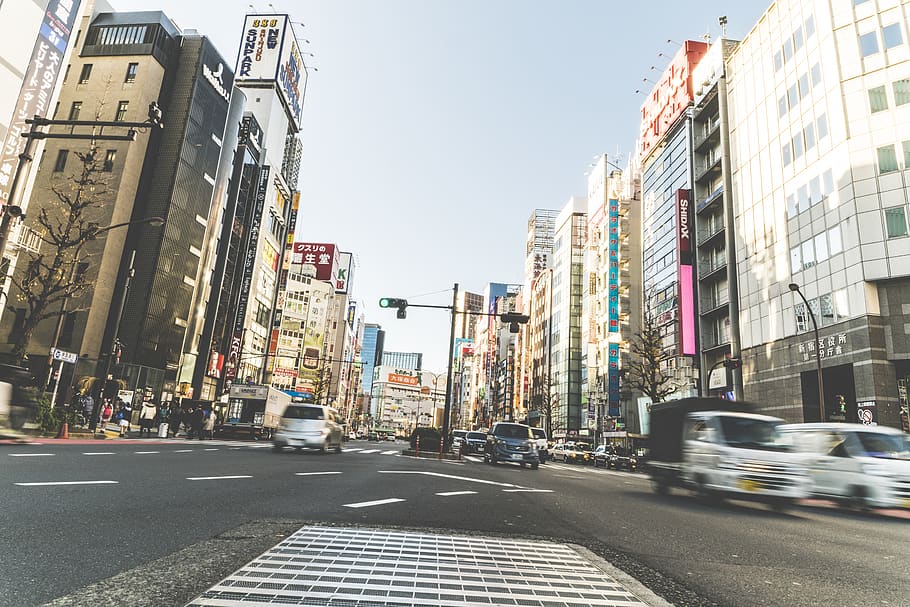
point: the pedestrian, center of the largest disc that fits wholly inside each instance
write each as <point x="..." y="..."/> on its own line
<point x="147" y="418"/>
<point x="198" y="420"/>
<point x="208" y="425"/>
<point x="176" y="418"/>
<point x="123" y="420"/>
<point x="88" y="410"/>
<point x="107" y="412"/>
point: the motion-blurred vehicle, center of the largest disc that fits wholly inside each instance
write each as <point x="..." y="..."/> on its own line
<point x="622" y="458"/>
<point x="602" y="456"/>
<point x="578" y="453"/>
<point x="458" y="440"/>
<point x="474" y="442"/>
<point x="511" y="442"/>
<point x="558" y="451"/>
<point x="861" y="466"/>
<point x="308" y="426"/>
<point x="540" y="435"/>
<point x="718" y="448"/>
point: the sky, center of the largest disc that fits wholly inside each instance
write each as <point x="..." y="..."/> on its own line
<point x="433" y="128"/>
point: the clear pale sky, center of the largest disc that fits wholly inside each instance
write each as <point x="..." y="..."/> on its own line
<point x="433" y="128"/>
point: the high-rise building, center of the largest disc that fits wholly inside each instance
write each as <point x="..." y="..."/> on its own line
<point x="134" y="321"/>
<point x="819" y="97"/>
<point x="667" y="225"/>
<point x="371" y="353"/>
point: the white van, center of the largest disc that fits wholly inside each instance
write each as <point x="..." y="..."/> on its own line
<point x="308" y="426"/>
<point x="863" y="466"/>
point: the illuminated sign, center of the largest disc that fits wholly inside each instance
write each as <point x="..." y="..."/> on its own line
<point x="686" y="272"/>
<point x="406" y="380"/>
<point x="613" y="380"/>
<point x="613" y="261"/>
<point x="323" y="257"/>
<point x="342" y="277"/>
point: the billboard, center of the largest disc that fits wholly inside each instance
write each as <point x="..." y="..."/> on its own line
<point x="323" y="257"/>
<point x="38" y="83"/>
<point x="342" y="275"/>
<point x="613" y="260"/>
<point x="670" y="96"/>
<point x="269" y="54"/>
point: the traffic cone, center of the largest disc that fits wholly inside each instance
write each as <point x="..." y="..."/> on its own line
<point x="64" y="431"/>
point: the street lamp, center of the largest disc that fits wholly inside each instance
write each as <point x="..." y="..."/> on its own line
<point x="818" y="354"/>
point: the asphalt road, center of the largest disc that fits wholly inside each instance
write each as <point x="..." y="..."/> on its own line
<point x="150" y="501"/>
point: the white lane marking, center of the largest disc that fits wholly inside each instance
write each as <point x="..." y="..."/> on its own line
<point x="66" y="483"/>
<point x="99" y="453"/>
<point x="471" y="458"/>
<point x="448" y="493"/>
<point x="370" y="451"/>
<point x="527" y="490"/>
<point x="145" y="452"/>
<point x="458" y="478"/>
<point x="214" y="449"/>
<point x="31" y="454"/>
<point x="216" y="478"/>
<point x="391" y="452"/>
<point x="354" y="449"/>
<point x="314" y="473"/>
<point x="391" y="500"/>
<point x="183" y="451"/>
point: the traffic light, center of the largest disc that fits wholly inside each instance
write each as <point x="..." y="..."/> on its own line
<point x="733" y="363"/>
<point x="391" y="302"/>
<point x="514" y="319"/>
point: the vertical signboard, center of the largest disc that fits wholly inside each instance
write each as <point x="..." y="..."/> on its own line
<point x="342" y="277"/>
<point x="613" y="380"/>
<point x="38" y="84"/>
<point x="686" y="253"/>
<point x="249" y="264"/>
<point x="613" y="259"/>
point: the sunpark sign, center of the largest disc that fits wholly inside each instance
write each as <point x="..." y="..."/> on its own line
<point x="269" y="53"/>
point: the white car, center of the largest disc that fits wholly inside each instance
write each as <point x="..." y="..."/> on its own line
<point x="864" y="466"/>
<point x="308" y="426"/>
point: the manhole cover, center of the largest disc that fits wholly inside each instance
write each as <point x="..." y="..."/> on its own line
<point x="351" y="567"/>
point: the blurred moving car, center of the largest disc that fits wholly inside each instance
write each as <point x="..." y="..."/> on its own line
<point x="558" y="451"/>
<point x="859" y="465"/>
<point x="541" y="437"/>
<point x="622" y="458"/>
<point x="602" y="455"/>
<point x="308" y="426"/>
<point x="511" y="442"/>
<point x="458" y="440"/>
<point x="578" y="453"/>
<point x="474" y="442"/>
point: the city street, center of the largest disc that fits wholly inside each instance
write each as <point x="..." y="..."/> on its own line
<point x="132" y="502"/>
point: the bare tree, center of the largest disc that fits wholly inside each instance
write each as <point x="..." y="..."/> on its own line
<point x="647" y="372"/>
<point x="65" y="225"/>
<point x="544" y="401"/>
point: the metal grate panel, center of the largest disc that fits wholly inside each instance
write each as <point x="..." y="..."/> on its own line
<point x="350" y="567"/>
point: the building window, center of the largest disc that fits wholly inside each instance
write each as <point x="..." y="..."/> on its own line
<point x="262" y="314"/>
<point x="778" y="61"/>
<point x="796" y="263"/>
<point x="802" y="319"/>
<point x="887" y="159"/>
<point x="810" y="27"/>
<point x="827" y="183"/>
<point x="60" y="164"/>
<point x="782" y="106"/>
<point x="816" y="73"/>
<point x="822" y="126"/>
<point x="891" y="35"/>
<point x="810" y="136"/>
<point x="793" y="96"/>
<point x="131" y="70"/>
<point x="896" y="222"/>
<point x="121" y="111"/>
<point x="815" y="190"/>
<point x="786" y="153"/>
<point x="826" y="305"/>
<point x="808" y="254"/>
<point x="868" y="44"/>
<point x="798" y="146"/>
<point x="109" y="160"/>
<point x="878" y="99"/>
<point x="798" y="39"/>
<point x="834" y="241"/>
<point x="821" y="247"/>
<point x="902" y="92"/>
<point x="74" y="110"/>
<point x="86" y="73"/>
<point x="803" y="85"/>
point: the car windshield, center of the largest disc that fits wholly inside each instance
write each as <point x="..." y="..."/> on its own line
<point x="887" y="446"/>
<point x="303" y="413"/>
<point x="583" y="447"/>
<point x="539" y="433"/>
<point x="513" y="431"/>
<point x="752" y="433"/>
<point x="476" y="436"/>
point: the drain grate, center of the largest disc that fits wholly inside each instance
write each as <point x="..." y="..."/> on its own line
<point x="350" y="567"/>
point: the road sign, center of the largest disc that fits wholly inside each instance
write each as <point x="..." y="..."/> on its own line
<point x="67" y="357"/>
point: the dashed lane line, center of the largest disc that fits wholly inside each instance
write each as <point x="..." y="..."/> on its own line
<point x="217" y="478"/>
<point x="145" y="452"/>
<point x="99" y="453"/>
<point x="391" y="500"/>
<point x="527" y="491"/>
<point x="53" y="483"/>
<point x="451" y="476"/>
<point x="314" y="473"/>
<point x="211" y="449"/>
<point x="31" y="454"/>
<point x="186" y="450"/>
<point x="451" y="493"/>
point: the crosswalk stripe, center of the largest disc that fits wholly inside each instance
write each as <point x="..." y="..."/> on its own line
<point x="391" y="452"/>
<point x="370" y="451"/>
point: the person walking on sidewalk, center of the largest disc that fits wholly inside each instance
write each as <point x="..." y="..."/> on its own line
<point x="107" y="412"/>
<point x="208" y="426"/>
<point x="147" y="418"/>
<point x="123" y="419"/>
<point x="197" y="419"/>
